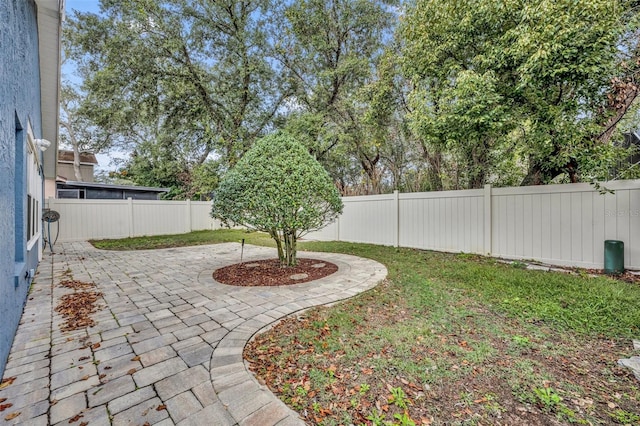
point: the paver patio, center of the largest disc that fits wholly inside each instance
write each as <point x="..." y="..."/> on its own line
<point x="167" y="344"/>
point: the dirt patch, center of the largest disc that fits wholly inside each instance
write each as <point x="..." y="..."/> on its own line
<point x="270" y="273"/>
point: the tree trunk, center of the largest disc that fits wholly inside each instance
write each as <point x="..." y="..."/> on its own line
<point x="539" y="175"/>
<point x="290" y="246"/>
<point x="276" y="238"/>
<point x="434" y="162"/>
<point x="76" y="161"/>
<point x="76" y="150"/>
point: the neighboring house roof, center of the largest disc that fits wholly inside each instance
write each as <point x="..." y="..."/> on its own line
<point x="65" y="156"/>
<point x="110" y="186"/>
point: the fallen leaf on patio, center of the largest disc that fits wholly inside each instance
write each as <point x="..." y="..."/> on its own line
<point x="161" y="407"/>
<point x="136" y="358"/>
<point x="83" y="358"/>
<point x="95" y="346"/>
<point x="7" y="382"/>
<point x="2" y="400"/>
<point x="102" y="376"/>
<point x="83" y="424"/>
<point x="12" y="416"/>
<point x="75" y="418"/>
<point x="76" y="285"/>
<point x="5" y="406"/>
<point x="130" y="372"/>
<point x="107" y="367"/>
<point x="76" y="309"/>
<point x="85" y="377"/>
<point x="53" y="402"/>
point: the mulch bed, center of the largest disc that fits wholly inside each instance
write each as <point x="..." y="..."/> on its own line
<point x="270" y="273"/>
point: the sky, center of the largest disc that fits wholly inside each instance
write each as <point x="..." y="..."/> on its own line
<point x="83" y="5"/>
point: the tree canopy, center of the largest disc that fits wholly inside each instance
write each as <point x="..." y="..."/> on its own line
<point x="521" y="78"/>
<point x="279" y="188"/>
<point x="422" y="95"/>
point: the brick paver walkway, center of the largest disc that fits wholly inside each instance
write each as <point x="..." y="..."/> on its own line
<point x="167" y="344"/>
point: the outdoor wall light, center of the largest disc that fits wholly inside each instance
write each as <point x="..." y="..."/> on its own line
<point x="43" y="144"/>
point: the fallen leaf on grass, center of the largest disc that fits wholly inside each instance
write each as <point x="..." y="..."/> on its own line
<point x="7" y="382"/>
<point x="5" y="406"/>
<point x="12" y="416"/>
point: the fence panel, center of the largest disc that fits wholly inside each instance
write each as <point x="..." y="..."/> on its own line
<point x="90" y="219"/>
<point x="369" y="219"/>
<point x="200" y="216"/>
<point x="566" y="224"/>
<point x="446" y="221"/>
<point x="102" y="219"/>
<point x="157" y="217"/>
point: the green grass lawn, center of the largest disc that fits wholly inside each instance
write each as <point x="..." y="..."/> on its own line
<point x="449" y="338"/>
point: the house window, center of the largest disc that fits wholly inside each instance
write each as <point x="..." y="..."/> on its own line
<point x="34" y="192"/>
<point x="71" y="193"/>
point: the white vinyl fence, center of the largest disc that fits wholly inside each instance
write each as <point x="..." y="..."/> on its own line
<point x="556" y="224"/>
<point x="82" y="220"/>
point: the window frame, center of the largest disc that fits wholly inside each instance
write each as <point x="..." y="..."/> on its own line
<point x="33" y="213"/>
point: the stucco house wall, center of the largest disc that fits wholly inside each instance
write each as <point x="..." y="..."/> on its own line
<point x="20" y="109"/>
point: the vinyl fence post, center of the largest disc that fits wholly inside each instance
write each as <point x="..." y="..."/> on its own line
<point x="131" y="224"/>
<point x="487" y="219"/>
<point x="396" y="199"/>
<point x="189" y="224"/>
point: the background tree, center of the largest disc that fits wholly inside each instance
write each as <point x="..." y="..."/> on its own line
<point x="331" y="49"/>
<point x="194" y="74"/>
<point x="511" y="83"/>
<point x="78" y="131"/>
<point x="279" y="188"/>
